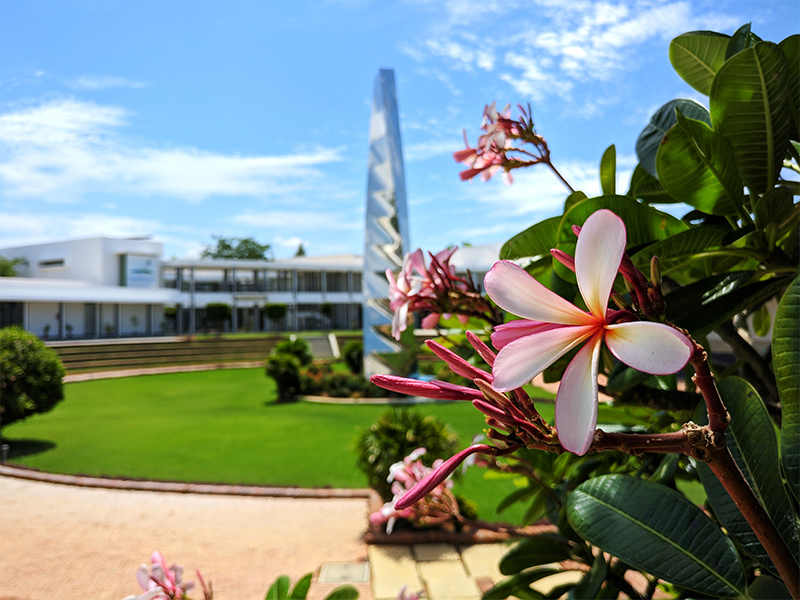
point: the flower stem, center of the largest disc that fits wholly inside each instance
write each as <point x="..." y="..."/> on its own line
<point x="564" y="181"/>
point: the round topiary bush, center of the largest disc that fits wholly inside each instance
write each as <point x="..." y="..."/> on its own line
<point x="353" y="354"/>
<point x="393" y="436"/>
<point x="297" y="348"/>
<point x="285" y="370"/>
<point x="30" y="376"/>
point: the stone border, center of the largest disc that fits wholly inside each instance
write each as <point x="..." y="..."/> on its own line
<point x="182" y="488"/>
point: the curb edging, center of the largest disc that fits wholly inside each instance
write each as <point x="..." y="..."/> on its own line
<point x="182" y="488"/>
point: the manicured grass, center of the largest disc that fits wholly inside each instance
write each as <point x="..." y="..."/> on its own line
<point x="217" y="426"/>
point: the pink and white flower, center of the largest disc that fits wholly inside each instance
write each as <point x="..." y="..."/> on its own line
<point x="552" y="326"/>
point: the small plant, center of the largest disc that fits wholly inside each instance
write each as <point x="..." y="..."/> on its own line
<point x="285" y="370"/>
<point x="68" y="329"/>
<point x="134" y="323"/>
<point x="297" y="348"/>
<point x="276" y="313"/>
<point x="280" y="590"/>
<point x="46" y="331"/>
<point x="353" y="354"/>
<point x="30" y="376"/>
<point x="393" y="436"/>
<point x="109" y="329"/>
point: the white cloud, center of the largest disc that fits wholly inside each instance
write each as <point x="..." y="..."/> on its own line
<point x="429" y="149"/>
<point x="20" y="228"/>
<point x="300" y="219"/>
<point x="104" y="82"/>
<point x="62" y="149"/>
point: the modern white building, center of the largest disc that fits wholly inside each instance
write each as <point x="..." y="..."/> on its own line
<point x="109" y="287"/>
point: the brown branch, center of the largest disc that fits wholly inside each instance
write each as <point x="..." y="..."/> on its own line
<point x="729" y="475"/>
<point x="718" y="417"/>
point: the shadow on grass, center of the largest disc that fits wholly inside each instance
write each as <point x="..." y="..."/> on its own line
<point x="26" y="447"/>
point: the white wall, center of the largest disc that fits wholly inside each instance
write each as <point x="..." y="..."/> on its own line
<point x="134" y="310"/>
<point x="41" y="314"/>
<point x="75" y="315"/>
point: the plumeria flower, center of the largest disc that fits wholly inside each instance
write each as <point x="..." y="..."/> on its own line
<point x="169" y="580"/>
<point x="552" y="326"/>
<point x="403" y="291"/>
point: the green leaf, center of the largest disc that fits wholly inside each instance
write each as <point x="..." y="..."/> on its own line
<point x="679" y="251"/>
<point x="519" y="585"/>
<point x="657" y="530"/>
<point x="624" y="378"/>
<point x="697" y="55"/>
<point x="791" y="50"/>
<point x="743" y="38"/>
<point x="647" y="188"/>
<point x="754" y="446"/>
<point x="773" y="207"/>
<point x="786" y="361"/>
<point x="590" y="585"/>
<point x="608" y="171"/>
<point x="767" y="588"/>
<point x="644" y="224"/>
<point x="301" y="588"/>
<point x="662" y="120"/>
<point x="698" y="167"/>
<point x="279" y="590"/>
<point x="702" y="306"/>
<point x="761" y="321"/>
<point x="517" y="495"/>
<point x="540" y="550"/>
<point x="536" y="240"/>
<point x="573" y="198"/>
<point x="750" y="108"/>
<point x="344" y="592"/>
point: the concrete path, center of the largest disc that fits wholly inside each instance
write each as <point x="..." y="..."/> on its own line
<point x="60" y="542"/>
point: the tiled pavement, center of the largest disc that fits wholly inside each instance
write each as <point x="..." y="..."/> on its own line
<point x="66" y="542"/>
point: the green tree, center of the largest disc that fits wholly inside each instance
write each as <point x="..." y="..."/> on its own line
<point x="300" y="250"/>
<point x="237" y="248"/>
<point x="218" y="313"/>
<point x="30" y="376"/>
<point x="8" y="266"/>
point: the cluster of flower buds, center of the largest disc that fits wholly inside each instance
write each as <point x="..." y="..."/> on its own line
<point x="646" y="297"/>
<point x="496" y="147"/>
<point x="436" y="289"/>
<point x="513" y="419"/>
<point x="437" y="508"/>
<point x="166" y="583"/>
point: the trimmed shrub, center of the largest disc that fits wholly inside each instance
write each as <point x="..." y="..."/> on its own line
<point x="297" y="348"/>
<point x="353" y="354"/>
<point x="30" y="376"/>
<point x="285" y="370"/>
<point x="275" y="312"/>
<point x="322" y="380"/>
<point x="393" y="436"/>
<point x="218" y="313"/>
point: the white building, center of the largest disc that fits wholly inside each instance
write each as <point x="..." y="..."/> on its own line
<point x="108" y="287"/>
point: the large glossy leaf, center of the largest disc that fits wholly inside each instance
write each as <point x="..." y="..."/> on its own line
<point x="344" y="592"/>
<point x="773" y="207"/>
<point x="646" y="188"/>
<point x="301" y="588"/>
<point x="535" y="551"/>
<point x="697" y="166"/>
<point x="702" y="306"/>
<point x="786" y="360"/>
<point x="536" y="240"/>
<point x="697" y="55"/>
<point x="767" y="588"/>
<point x="644" y="224"/>
<point x="656" y="529"/>
<point x="754" y="446"/>
<point x="650" y="138"/>
<point x="608" y="171"/>
<point x="791" y="50"/>
<point x="741" y="39"/>
<point x="279" y="590"/>
<point x="675" y="251"/>
<point x="519" y="585"/>
<point x="750" y="107"/>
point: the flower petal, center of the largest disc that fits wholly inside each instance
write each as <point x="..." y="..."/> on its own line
<point x="576" y="400"/>
<point x="513" y="330"/>
<point x="650" y="347"/>
<point x="512" y="289"/>
<point x="521" y="360"/>
<point x="598" y="255"/>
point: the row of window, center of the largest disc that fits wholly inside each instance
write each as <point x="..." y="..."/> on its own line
<point x="254" y="281"/>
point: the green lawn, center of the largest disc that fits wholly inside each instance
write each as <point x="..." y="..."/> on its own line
<point x="217" y="426"/>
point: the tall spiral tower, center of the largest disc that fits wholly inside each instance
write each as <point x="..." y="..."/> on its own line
<point x="386" y="230"/>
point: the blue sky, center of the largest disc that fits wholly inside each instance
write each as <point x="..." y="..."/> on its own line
<point x="186" y="119"/>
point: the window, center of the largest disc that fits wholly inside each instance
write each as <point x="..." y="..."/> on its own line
<point x="51" y="263"/>
<point x="335" y="281"/>
<point x="309" y="281"/>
